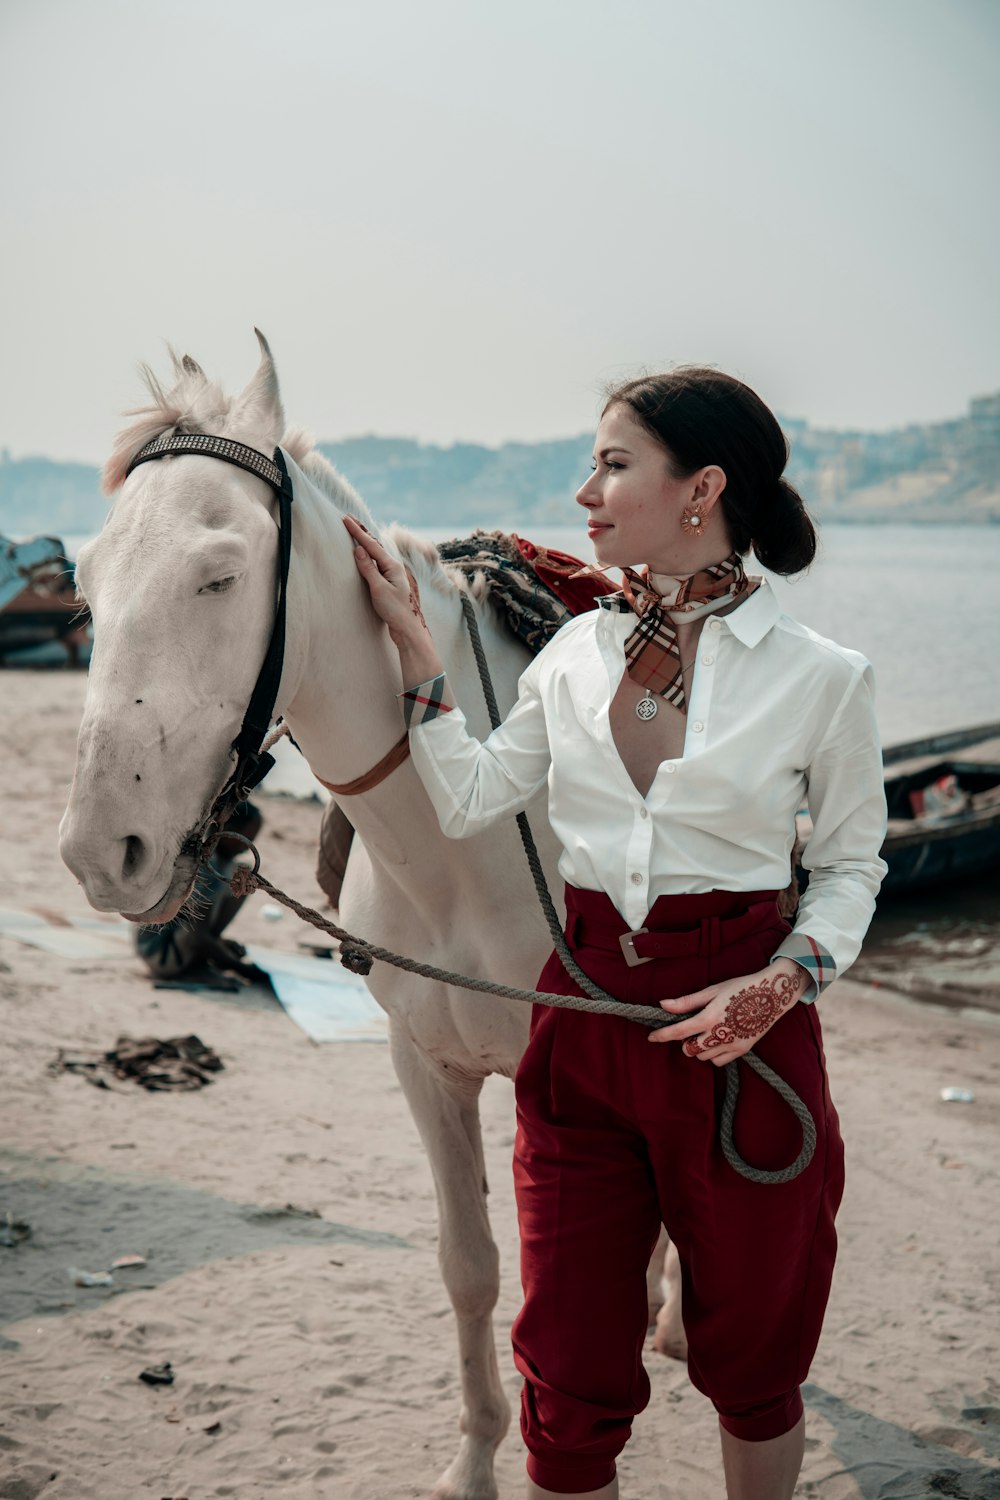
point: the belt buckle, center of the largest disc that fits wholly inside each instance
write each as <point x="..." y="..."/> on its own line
<point x="632" y="958"/>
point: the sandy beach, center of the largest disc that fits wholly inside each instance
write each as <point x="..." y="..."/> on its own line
<point x="314" y="1357"/>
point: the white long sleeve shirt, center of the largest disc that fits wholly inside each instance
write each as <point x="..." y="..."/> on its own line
<point x="778" y="717"/>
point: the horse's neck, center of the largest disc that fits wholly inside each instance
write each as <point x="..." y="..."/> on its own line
<point x="342" y="679"/>
<point x="341" y="670"/>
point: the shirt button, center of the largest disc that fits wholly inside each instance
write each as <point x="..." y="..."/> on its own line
<point x="670" y="767"/>
<point x="715" y="624"/>
<point x="708" y="660"/>
<point x="635" y="878"/>
<point x="697" y="726"/>
<point x="643" y="812"/>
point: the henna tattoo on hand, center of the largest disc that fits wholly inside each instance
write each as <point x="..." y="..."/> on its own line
<point x="749" y="1013"/>
<point x="415" y="606"/>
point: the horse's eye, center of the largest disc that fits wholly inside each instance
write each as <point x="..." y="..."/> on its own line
<point x="218" y="585"/>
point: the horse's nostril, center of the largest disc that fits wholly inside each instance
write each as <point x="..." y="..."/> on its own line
<point x="134" y="851"/>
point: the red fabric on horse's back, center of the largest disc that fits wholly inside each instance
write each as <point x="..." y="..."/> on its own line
<point x="557" y="571"/>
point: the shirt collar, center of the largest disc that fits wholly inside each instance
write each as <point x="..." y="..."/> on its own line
<point x="749" y="623"/>
<point x="753" y="619"/>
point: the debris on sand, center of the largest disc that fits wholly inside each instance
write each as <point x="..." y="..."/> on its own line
<point x="158" y="1374"/>
<point x="270" y="1211"/>
<point x="173" y="1064"/>
<point x="90" y="1278"/>
<point x="13" y="1231"/>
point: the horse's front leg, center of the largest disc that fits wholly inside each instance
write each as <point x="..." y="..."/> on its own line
<point x="670" y="1338"/>
<point x="446" y="1113"/>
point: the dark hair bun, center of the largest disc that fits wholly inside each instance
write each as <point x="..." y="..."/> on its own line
<point x="701" y="417"/>
<point x="784" y="537"/>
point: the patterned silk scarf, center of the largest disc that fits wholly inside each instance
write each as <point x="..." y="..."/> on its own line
<point x="652" y="655"/>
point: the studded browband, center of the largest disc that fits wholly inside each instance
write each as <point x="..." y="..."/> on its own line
<point x="227" y="449"/>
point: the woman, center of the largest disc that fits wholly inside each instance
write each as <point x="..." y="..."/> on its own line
<point x="679" y="726"/>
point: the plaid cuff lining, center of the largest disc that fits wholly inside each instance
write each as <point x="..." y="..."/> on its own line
<point x="813" y="957"/>
<point x="424" y="702"/>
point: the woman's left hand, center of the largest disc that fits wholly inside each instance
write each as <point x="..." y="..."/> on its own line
<point x="727" y="1019"/>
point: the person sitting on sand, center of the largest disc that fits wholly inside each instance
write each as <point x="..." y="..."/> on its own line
<point x="191" y="948"/>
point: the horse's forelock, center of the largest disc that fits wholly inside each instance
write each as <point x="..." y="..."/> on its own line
<point x="193" y="404"/>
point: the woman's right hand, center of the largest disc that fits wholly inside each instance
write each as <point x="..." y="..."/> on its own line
<point x="391" y="591"/>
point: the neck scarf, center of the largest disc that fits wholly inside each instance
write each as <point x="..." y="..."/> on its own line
<point x="652" y="655"/>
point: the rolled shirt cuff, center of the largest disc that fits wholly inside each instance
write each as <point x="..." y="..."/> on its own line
<point x="426" y="701"/>
<point x="811" y="956"/>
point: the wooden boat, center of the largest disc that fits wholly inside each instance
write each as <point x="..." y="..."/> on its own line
<point x="952" y="842"/>
<point x="944" y="810"/>
<point x="38" y="604"/>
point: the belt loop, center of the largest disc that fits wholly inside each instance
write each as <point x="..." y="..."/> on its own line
<point x="711" y="935"/>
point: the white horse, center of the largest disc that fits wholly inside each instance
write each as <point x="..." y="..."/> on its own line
<point x="181" y="586"/>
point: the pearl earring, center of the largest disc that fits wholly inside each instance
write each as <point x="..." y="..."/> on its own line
<point x="692" y="521"/>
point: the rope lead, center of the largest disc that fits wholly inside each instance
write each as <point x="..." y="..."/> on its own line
<point x="358" y="955"/>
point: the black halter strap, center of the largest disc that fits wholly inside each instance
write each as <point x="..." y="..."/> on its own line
<point x="252" y="764"/>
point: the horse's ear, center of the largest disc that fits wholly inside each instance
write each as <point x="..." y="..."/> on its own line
<point x="256" y="416"/>
<point x="192" y="367"/>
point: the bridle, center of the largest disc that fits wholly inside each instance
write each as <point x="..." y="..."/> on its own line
<point x="252" y="762"/>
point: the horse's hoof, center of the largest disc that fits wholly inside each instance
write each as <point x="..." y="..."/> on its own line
<point x="670" y="1345"/>
<point x="669" y="1337"/>
<point x="470" y="1474"/>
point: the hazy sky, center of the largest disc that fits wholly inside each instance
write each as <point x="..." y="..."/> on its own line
<point x="457" y="220"/>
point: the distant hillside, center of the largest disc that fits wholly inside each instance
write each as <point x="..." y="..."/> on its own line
<point x="935" y="471"/>
<point x="944" y="471"/>
<point x="465" y="485"/>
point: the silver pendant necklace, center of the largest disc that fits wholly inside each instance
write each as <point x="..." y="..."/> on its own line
<point x="648" y="707"/>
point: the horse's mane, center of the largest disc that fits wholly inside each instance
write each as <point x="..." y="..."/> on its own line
<point x="196" y="404"/>
<point x="419" y="555"/>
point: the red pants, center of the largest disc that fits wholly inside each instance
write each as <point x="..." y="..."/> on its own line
<point x="616" y="1134"/>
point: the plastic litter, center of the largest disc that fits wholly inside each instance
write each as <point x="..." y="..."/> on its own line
<point x="271" y="913"/>
<point x="90" y="1278"/>
<point x="127" y="1260"/>
<point x="958" y="1096"/>
<point x="158" y="1374"/>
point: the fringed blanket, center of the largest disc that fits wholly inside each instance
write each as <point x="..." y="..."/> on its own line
<point x="536" y="589"/>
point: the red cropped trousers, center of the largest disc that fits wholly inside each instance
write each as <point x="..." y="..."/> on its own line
<point x="616" y="1135"/>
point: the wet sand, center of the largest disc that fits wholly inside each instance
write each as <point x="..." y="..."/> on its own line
<point x="315" y="1356"/>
